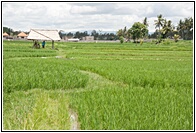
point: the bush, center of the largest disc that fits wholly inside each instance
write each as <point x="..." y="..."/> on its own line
<point x="176" y="38"/>
<point x="141" y="41"/>
<point x="166" y="42"/>
<point x="121" y="39"/>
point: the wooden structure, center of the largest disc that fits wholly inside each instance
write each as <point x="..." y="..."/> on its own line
<point x="44" y="35"/>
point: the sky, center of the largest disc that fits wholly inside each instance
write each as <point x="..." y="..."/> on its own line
<point x="86" y="16"/>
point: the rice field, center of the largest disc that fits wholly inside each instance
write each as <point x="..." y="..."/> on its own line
<point x="109" y="86"/>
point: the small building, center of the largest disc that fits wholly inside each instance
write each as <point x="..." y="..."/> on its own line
<point x="5" y="35"/>
<point x="66" y="38"/>
<point x="22" y="35"/>
<point x="88" y="38"/>
<point x="44" y="35"/>
<point x="73" y="40"/>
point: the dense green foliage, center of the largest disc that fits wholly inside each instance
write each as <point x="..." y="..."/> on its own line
<point x="163" y="29"/>
<point x="185" y="28"/>
<point x="109" y="85"/>
<point x="138" y="30"/>
<point x="121" y="39"/>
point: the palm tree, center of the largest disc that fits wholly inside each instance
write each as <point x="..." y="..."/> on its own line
<point x="181" y="27"/>
<point x="123" y="33"/>
<point x="159" y="22"/>
<point x="188" y="28"/>
<point x="119" y="33"/>
<point x="185" y="28"/>
<point x="167" y="28"/>
<point x="145" y="22"/>
<point x="170" y="27"/>
<point x="125" y="30"/>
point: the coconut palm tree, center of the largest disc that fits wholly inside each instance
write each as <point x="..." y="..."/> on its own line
<point x="124" y="31"/>
<point x="185" y="28"/>
<point x="159" y="22"/>
<point x="181" y="27"/>
<point x="170" y="27"/>
<point x="167" y="28"/>
<point x="188" y="28"/>
<point x="145" y="22"/>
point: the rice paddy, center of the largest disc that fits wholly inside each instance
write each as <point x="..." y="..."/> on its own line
<point x="110" y="86"/>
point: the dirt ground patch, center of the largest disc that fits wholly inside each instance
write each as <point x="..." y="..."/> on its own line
<point x="74" y="120"/>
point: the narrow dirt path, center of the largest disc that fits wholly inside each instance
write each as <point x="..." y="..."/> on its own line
<point x="95" y="82"/>
<point x="74" y="120"/>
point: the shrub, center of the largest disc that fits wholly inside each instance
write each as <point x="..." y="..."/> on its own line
<point x="166" y="42"/>
<point x="121" y="39"/>
<point x="176" y="37"/>
<point x="141" y="41"/>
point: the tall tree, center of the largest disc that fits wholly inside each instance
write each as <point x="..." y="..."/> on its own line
<point x="188" y="28"/>
<point x="166" y="28"/>
<point x="120" y="33"/>
<point x="181" y="28"/>
<point x="70" y="34"/>
<point x="145" y="22"/>
<point x="61" y="33"/>
<point x="185" y="28"/>
<point x="138" y="30"/>
<point x="95" y="34"/>
<point x="159" y="22"/>
<point x="125" y="32"/>
<point x="8" y="30"/>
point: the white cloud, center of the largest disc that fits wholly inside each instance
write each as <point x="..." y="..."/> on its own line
<point x="83" y="9"/>
<point x="89" y="16"/>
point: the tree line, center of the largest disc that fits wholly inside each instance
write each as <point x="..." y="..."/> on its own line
<point x="97" y="35"/>
<point x="138" y="31"/>
<point x="163" y="29"/>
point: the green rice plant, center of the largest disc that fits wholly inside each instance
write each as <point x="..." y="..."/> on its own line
<point x="156" y="87"/>
<point x="109" y="86"/>
<point x="134" y="108"/>
<point x="36" y="110"/>
<point x="40" y="73"/>
<point x="150" y="73"/>
<point x="24" y="49"/>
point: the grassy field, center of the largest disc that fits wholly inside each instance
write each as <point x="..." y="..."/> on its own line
<point x="109" y="86"/>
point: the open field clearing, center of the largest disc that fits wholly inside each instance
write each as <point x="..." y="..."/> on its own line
<point x="107" y="86"/>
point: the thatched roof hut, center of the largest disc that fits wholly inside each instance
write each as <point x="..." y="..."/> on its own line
<point x="22" y="34"/>
<point x="5" y="34"/>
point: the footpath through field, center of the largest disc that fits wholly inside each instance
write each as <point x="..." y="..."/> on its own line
<point x="95" y="82"/>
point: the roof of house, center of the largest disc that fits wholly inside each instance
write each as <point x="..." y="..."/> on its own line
<point x="5" y="34"/>
<point x="42" y="34"/>
<point x="22" y="34"/>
